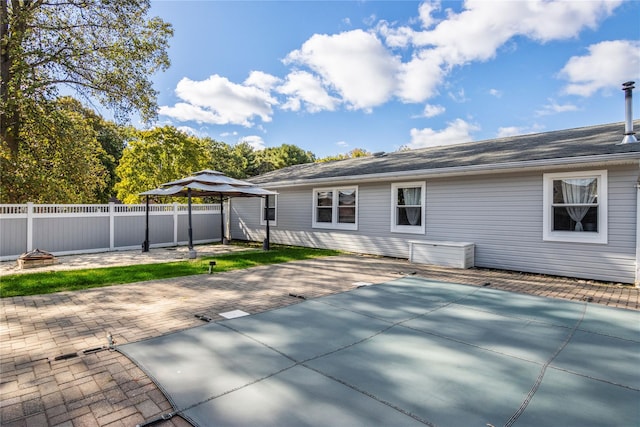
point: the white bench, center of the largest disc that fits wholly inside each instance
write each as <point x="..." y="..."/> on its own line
<point x="442" y="253"/>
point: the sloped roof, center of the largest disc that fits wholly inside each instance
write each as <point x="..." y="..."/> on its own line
<point x="209" y="183"/>
<point x="580" y="145"/>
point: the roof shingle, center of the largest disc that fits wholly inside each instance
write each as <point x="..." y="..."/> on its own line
<point x="600" y="140"/>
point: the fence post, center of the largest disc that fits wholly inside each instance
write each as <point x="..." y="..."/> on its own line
<point x="175" y="223"/>
<point x="29" y="226"/>
<point x="112" y="230"/>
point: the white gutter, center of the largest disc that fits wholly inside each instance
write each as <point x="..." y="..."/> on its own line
<point x="611" y="159"/>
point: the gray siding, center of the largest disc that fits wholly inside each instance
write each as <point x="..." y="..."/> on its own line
<point x="501" y="214"/>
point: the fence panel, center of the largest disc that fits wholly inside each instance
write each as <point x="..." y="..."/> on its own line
<point x="69" y="229"/>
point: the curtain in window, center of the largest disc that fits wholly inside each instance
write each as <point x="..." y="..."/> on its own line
<point x="412" y="197"/>
<point x="579" y="191"/>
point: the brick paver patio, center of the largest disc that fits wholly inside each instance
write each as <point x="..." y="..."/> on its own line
<point x="106" y="389"/>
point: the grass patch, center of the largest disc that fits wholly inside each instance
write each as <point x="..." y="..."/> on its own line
<point x="73" y="280"/>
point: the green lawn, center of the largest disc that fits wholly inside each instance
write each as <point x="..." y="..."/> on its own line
<point x="57" y="281"/>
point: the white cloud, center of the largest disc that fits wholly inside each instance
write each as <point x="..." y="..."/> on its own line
<point x="254" y="141"/>
<point x="342" y="144"/>
<point x="190" y="131"/>
<point x="302" y="86"/>
<point x="425" y="10"/>
<point x="607" y="65"/>
<point x="458" y="96"/>
<point x="186" y="112"/>
<point x="420" y="77"/>
<point x="362" y="70"/>
<point x="477" y="32"/>
<point x="216" y="100"/>
<point x="507" y="131"/>
<point x="504" y="132"/>
<point x="553" y="108"/>
<point x="395" y="37"/>
<point x="433" y="110"/>
<point x="495" y="92"/>
<point x="354" y="63"/>
<point x="456" y="132"/>
<point x="261" y="80"/>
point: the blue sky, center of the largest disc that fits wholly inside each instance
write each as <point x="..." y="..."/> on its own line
<point x="331" y="76"/>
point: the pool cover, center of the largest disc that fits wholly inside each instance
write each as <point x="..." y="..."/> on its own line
<point x="408" y="352"/>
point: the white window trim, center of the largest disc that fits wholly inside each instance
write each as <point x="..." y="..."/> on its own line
<point x="601" y="237"/>
<point x="275" y="205"/>
<point x="411" y="229"/>
<point x="334" y="224"/>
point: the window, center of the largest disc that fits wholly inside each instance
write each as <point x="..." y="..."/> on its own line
<point x="575" y="207"/>
<point x="408" y="207"/>
<point x="335" y="208"/>
<point x="271" y="212"/>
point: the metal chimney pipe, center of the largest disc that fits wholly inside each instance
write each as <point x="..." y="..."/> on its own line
<point x="629" y="134"/>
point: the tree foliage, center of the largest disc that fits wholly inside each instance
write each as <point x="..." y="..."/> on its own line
<point x="356" y="152"/>
<point x="154" y="157"/>
<point x="165" y="154"/>
<point x="112" y="139"/>
<point x="104" y="50"/>
<point x="60" y="161"/>
<point x="273" y="158"/>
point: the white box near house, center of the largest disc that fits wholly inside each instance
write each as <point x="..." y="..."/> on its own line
<point x="442" y="253"/>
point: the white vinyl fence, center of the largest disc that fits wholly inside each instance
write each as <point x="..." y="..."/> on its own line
<point x="75" y="229"/>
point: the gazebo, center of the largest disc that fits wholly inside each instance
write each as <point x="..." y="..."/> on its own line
<point x="207" y="183"/>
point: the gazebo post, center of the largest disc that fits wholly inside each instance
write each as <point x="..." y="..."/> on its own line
<point x="223" y="239"/>
<point x="192" y="253"/>
<point x="265" y="243"/>
<point x="145" y="244"/>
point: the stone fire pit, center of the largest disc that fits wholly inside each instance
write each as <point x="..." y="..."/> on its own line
<point x="35" y="258"/>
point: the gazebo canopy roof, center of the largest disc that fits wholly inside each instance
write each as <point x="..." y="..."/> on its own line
<point x="209" y="183"/>
<point x="210" y="177"/>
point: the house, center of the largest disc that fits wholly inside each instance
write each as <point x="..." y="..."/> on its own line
<point x="560" y="203"/>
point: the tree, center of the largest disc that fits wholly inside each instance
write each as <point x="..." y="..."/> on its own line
<point x="59" y="161"/>
<point x="157" y="156"/>
<point x="245" y="153"/>
<point x="104" y="50"/>
<point x="356" y="152"/>
<point x="273" y="158"/>
<point x="228" y="159"/>
<point x="112" y="138"/>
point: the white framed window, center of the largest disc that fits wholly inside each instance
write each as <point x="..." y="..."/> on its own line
<point x="335" y="208"/>
<point x="272" y="211"/>
<point x="575" y="207"/>
<point x="408" y="207"/>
